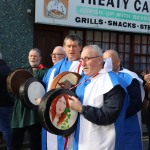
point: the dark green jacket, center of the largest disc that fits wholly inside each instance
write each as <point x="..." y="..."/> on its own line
<point x="23" y="116"/>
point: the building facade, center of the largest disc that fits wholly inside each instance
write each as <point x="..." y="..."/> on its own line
<point x="20" y="29"/>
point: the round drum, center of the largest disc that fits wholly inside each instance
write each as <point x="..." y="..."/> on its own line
<point x="16" y="78"/>
<point x="70" y="78"/>
<point x="29" y="91"/>
<point x="55" y="113"/>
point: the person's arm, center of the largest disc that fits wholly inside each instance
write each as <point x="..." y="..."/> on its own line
<point x="135" y="103"/>
<point x="108" y="113"/>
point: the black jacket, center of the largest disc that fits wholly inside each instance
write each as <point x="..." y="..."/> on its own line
<point x="5" y="98"/>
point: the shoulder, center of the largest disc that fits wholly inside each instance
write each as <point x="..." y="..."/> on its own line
<point x="128" y="75"/>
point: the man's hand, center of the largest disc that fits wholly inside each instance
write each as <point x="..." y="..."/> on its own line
<point x="65" y="85"/>
<point x="75" y="104"/>
<point x="37" y="100"/>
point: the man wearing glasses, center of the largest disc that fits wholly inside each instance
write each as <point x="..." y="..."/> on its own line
<point x="58" y="54"/>
<point x="101" y="103"/>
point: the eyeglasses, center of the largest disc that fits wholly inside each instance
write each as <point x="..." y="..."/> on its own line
<point x="87" y="58"/>
<point x="56" y="54"/>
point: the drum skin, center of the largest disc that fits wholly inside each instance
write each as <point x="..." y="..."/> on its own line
<point x="44" y="113"/>
<point x="30" y="90"/>
<point x="15" y="79"/>
<point x="67" y="76"/>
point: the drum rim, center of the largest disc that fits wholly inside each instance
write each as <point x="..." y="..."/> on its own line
<point x="48" y="122"/>
<point x="59" y="76"/>
<point x="42" y="108"/>
<point x="23" y="92"/>
<point x="11" y="88"/>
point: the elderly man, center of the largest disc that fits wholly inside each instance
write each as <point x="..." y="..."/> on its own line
<point x="102" y="104"/>
<point x="58" y="54"/>
<point x="25" y="119"/>
<point x="134" y="86"/>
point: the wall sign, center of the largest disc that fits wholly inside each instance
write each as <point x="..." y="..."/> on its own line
<point x="119" y="15"/>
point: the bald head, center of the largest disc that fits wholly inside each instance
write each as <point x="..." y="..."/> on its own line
<point x="115" y="59"/>
<point x="58" y="54"/>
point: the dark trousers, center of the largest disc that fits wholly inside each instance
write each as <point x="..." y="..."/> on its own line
<point x="34" y="132"/>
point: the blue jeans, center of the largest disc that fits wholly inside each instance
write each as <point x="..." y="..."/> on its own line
<point x="5" y="123"/>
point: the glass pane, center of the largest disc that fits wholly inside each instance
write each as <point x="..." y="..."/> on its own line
<point x="148" y="52"/>
<point x="136" y="59"/>
<point x="137" y="49"/>
<point x="121" y="38"/>
<point x="71" y="32"/>
<point x="105" y="46"/>
<point x="80" y="34"/>
<point x="148" y="59"/>
<point x="142" y="67"/>
<point x="98" y="43"/>
<point x="144" y="39"/>
<point x="89" y="43"/>
<point x="98" y="36"/>
<point x="127" y="39"/>
<point x="136" y="67"/>
<point x="113" y="37"/>
<point x="127" y="65"/>
<point x="149" y="39"/>
<point x="113" y="46"/>
<point x="143" y="59"/>
<point x="105" y="36"/>
<point x="127" y="48"/>
<point x="144" y="49"/>
<point x="127" y="57"/>
<point x="137" y="39"/>
<point x="121" y="47"/>
<point x="89" y="35"/>
<point x="121" y="57"/>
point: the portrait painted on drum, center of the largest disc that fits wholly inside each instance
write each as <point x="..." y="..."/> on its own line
<point x="60" y="112"/>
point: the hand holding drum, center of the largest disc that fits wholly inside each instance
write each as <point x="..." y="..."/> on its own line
<point x="75" y="104"/>
<point x="54" y="109"/>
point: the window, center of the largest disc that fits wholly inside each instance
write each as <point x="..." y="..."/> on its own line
<point x="133" y="49"/>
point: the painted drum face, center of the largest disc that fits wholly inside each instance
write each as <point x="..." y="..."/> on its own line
<point x="65" y="80"/>
<point x="55" y="113"/>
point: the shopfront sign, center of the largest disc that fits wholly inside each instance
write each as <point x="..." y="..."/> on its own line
<point x="119" y="15"/>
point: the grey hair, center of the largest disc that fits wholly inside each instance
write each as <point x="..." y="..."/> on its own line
<point x="37" y="50"/>
<point x="95" y="48"/>
<point x="62" y="49"/>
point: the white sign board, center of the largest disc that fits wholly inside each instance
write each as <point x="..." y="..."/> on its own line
<point x="119" y="15"/>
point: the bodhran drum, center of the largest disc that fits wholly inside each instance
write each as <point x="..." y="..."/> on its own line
<point x="16" y="78"/>
<point x="65" y="77"/>
<point x="55" y="113"/>
<point x="30" y="90"/>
